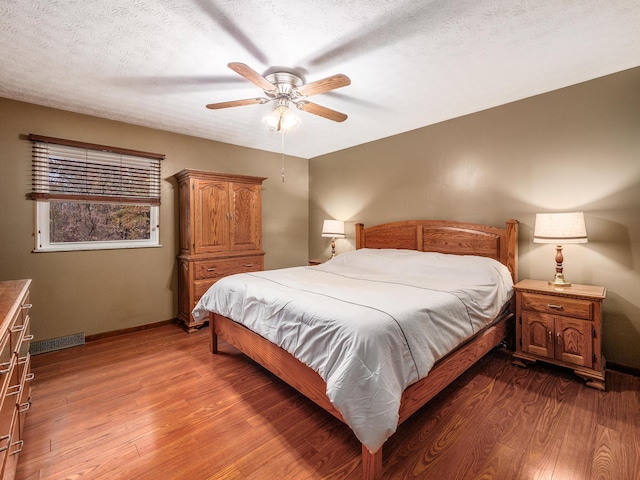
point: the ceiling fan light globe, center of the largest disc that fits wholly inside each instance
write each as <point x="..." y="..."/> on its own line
<point x="281" y="119"/>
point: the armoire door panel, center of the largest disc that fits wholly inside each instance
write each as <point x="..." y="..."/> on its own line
<point x="212" y="219"/>
<point x="185" y="218"/>
<point x="246" y="225"/>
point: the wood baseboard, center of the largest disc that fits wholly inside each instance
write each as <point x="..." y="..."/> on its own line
<point x="619" y="367"/>
<point x="124" y="331"/>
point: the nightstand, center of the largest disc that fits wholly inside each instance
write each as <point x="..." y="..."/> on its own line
<point x="317" y="261"/>
<point x="562" y="326"/>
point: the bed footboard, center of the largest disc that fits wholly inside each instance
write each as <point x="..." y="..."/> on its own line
<point x="285" y="366"/>
<point x="275" y="359"/>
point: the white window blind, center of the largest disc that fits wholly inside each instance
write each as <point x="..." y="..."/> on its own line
<point x="69" y="170"/>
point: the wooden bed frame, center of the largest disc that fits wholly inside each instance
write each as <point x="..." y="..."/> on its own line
<point x="423" y="235"/>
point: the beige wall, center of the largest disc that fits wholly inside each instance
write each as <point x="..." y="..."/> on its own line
<point x="103" y="291"/>
<point x="577" y="148"/>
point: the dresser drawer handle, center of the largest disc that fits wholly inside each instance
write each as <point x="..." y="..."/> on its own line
<point x="8" y="439"/>
<point x="18" y="328"/>
<point x="14" y="390"/>
<point x="20" y="445"/>
<point x="211" y="269"/>
<point x="249" y="265"/>
<point x="6" y="367"/>
<point x="555" y="307"/>
<point x="23" y="407"/>
<point x="27" y="306"/>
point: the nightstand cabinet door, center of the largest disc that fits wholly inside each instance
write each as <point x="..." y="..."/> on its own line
<point x="537" y="334"/>
<point x="574" y="342"/>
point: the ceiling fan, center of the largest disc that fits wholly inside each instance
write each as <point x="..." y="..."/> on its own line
<point x="286" y="88"/>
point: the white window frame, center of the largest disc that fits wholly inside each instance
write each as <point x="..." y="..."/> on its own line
<point x="44" y="244"/>
<point x="43" y="199"/>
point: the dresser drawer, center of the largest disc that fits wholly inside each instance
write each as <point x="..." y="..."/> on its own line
<point x="8" y="410"/>
<point x="569" y="307"/>
<point x="7" y="364"/>
<point x="214" y="269"/>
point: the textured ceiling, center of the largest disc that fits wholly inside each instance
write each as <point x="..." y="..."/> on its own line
<point x="412" y="63"/>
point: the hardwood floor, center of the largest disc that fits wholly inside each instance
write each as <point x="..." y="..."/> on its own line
<point x="157" y="404"/>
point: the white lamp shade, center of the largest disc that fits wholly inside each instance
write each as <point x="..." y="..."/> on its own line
<point x="333" y="229"/>
<point x="560" y="228"/>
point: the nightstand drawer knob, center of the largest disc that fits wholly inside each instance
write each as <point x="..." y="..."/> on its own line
<point x="555" y="307"/>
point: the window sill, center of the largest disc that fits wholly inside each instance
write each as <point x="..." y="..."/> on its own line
<point x="85" y="247"/>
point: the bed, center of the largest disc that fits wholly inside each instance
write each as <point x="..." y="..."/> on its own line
<point x="320" y="350"/>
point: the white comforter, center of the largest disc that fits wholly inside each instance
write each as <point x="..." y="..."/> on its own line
<point x="370" y="322"/>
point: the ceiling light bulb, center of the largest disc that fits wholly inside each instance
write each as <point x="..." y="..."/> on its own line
<point x="281" y="119"/>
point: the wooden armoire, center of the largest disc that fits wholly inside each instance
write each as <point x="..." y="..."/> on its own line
<point x="220" y="233"/>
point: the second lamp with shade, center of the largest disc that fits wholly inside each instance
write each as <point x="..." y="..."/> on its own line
<point x="333" y="229"/>
<point x="560" y="229"/>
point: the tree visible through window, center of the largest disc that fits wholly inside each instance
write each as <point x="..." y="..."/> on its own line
<point x="98" y="222"/>
<point x="90" y="196"/>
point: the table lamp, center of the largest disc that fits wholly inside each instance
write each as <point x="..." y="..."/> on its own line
<point x="333" y="229"/>
<point x="560" y="228"/>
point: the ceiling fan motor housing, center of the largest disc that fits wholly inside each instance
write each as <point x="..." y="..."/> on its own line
<point x="285" y="82"/>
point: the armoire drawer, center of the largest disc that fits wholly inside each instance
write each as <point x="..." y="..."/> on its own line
<point x="219" y="268"/>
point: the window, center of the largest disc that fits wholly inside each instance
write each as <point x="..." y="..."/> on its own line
<point x="94" y="197"/>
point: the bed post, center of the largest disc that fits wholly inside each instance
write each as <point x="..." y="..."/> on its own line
<point x="213" y="343"/>
<point x="371" y="464"/>
<point x="359" y="237"/>
<point x="512" y="248"/>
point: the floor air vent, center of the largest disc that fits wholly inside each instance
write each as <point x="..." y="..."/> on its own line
<point x="59" y="343"/>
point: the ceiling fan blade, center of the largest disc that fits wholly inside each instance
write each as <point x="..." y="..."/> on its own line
<point x="237" y="103"/>
<point x="321" y="111"/>
<point x="251" y="75"/>
<point x="324" y="85"/>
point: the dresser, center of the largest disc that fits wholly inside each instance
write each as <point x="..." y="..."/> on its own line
<point x="220" y="233"/>
<point x="15" y="371"/>
<point x="562" y="326"/>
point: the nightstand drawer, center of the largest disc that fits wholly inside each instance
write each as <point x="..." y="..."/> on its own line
<point x="570" y="307"/>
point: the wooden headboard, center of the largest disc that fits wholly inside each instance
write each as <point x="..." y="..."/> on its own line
<point x="444" y="236"/>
